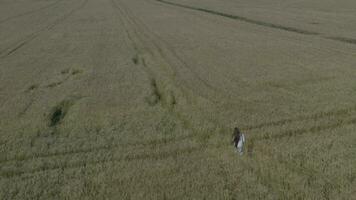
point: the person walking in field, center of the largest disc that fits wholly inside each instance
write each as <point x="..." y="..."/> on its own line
<point x="238" y="140"/>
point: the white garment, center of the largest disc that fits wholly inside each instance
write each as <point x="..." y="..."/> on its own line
<point x="240" y="144"/>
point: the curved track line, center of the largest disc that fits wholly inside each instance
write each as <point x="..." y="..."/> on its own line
<point x="173" y="153"/>
<point x="261" y="23"/>
<point x="11" y="50"/>
<point x="75" y="165"/>
<point x="163" y="141"/>
<point x="244" y="19"/>
<point x="343" y="39"/>
<point x="167" y="154"/>
<point x="315" y="116"/>
<point x="29" y="12"/>
<point x="143" y="41"/>
<point x="314" y="129"/>
<point x="94" y="149"/>
<point x="166" y="51"/>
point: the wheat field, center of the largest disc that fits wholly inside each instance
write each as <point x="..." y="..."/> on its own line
<point x="137" y="99"/>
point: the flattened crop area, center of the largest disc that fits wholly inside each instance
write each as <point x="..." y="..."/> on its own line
<point x="120" y="99"/>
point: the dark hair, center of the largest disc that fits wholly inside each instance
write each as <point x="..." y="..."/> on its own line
<point x="236" y="131"/>
<point x="236" y="135"/>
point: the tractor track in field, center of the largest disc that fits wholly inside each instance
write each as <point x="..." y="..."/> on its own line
<point x="30" y="12"/>
<point x="84" y="163"/>
<point x="160" y="155"/>
<point x="168" y="49"/>
<point x="184" y="65"/>
<point x="243" y="19"/>
<point x="177" y="63"/>
<point x="314" y="117"/>
<point x="140" y="45"/>
<point x="146" y="41"/>
<point x="162" y="58"/>
<point x="330" y="49"/>
<point x="53" y="153"/>
<point x="27" y="39"/>
<point x="298" y="131"/>
<point x="167" y="141"/>
<point x="343" y="39"/>
<point x="158" y="62"/>
<point x="261" y="23"/>
<point x="313" y="129"/>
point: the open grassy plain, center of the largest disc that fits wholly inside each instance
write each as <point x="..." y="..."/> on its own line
<point x="137" y="99"/>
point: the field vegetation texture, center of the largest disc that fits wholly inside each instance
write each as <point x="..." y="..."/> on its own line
<point x="137" y="99"/>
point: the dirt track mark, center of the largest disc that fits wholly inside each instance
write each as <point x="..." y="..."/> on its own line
<point x="343" y="39"/>
<point x="316" y="116"/>
<point x="30" y="12"/>
<point x="17" y="47"/>
<point x="244" y="19"/>
<point x="12" y="49"/>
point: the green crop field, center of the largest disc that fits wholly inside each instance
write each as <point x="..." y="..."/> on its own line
<point x="138" y="99"/>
